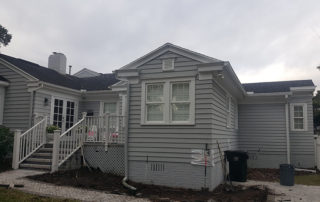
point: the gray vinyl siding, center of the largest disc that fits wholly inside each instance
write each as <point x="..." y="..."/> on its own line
<point x="39" y="107"/>
<point x="17" y="100"/>
<point x="227" y="137"/>
<point x="262" y="131"/>
<point x="302" y="142"/>
<point x="169" y="143"/>
<point x="85" y="106"/>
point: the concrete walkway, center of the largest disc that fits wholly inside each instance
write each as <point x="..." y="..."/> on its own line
<point x="298" y="192"/>
<point x="45" y="189"/>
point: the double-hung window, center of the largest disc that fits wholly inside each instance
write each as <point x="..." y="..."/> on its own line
<point x="168" y="101"/>
<point x="298" y="117"/>
<point x="155" y="102"/>
<point x="180" y="101"/>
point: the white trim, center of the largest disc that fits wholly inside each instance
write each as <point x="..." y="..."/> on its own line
<point x="287" y="132"/>
<point x="64" y="107"/>
<point x="4" y="83"/>
<point x="172" y="64"/>
<point x="101" y="108"/>
<point x="252" y="94"/>
<point x="304" y="88"/>
<point x="167" y="108"/>
<point x="165" y="48"/>
<point x="305" y="117"/>
<point x="17" y="70"/>
<point x="228" y="110"/>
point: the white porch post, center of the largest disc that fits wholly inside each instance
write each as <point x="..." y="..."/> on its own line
<point x="84" y="125"/>
<point x="16" y="149"/>
<point x="55" y="151"/>
<point x="107" y="132"/>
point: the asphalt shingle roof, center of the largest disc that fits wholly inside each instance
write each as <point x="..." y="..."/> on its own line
<point x="274" y="87"/>
<point x="101" y="82"/>
<point x="2" y="78"/>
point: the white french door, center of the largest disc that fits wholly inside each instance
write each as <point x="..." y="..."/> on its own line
<point x="64" y="113"/>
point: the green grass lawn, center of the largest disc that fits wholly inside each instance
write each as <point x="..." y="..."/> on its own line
<point x="12" y="195"/>
<point x="308" y="179"/>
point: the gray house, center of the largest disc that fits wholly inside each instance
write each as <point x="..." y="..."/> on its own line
<point x="178" y="112"/>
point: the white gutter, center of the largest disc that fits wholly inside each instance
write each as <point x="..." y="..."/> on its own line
<point x="287" y="129"/>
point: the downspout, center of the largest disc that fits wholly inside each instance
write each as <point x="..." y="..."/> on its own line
<point x="287" y="129"/>
<point x="126" y="162"/>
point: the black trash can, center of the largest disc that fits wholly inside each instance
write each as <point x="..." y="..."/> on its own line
<point x="286" y="174"/>
<point x="237" y="165"/>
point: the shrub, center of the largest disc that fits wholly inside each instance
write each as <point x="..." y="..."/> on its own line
<point x="6" y="142"/>
<point x="52" y="128"/>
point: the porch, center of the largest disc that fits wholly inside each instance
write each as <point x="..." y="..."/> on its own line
<point x="90" y="139"/>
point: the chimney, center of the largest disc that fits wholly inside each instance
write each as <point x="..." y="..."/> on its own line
<point x="58" y="62"/>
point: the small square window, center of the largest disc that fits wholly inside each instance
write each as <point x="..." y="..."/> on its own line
<point x="168" y="64"/>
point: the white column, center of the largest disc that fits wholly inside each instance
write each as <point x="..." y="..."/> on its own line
<point x="55" y="151"/>
<point x="16" y="149"/>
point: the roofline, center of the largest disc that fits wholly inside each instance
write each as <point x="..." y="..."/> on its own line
<point x="268" y="94"/>
<point x="4" y="83"/>
<point x="235" y="77"/>
<point x="18" y="70"/>
<point x="86" y="69"/>
<point x="164" y="48"/>
<point x="303" y="88"/>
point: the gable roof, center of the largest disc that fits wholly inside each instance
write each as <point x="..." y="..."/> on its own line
<point x="172" y="48"/>
<point x="101" y="82"/>
<point x="84" y="73"/>
<point x="276" y="87"/>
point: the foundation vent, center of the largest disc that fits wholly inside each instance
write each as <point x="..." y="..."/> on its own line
<point x="157" y="167"/>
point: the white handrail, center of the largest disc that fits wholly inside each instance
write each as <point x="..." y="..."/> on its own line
<point x="66" y="144"/>
<point x="27" y="143"/>
<point x="75" y="125"/>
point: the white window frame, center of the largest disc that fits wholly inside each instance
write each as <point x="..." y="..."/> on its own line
<point x="167" y="112"/>
<point x="109" y="101"/>
<point x="228" y="110"/>
<point x="172" y="64"/>
<point x="305" y="117"/>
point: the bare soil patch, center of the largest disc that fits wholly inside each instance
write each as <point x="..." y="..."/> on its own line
<point x="95" y="179"/>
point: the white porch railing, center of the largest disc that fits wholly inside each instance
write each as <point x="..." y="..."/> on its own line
<point x="106" y="128"/>
<point x="27" y="143"/>
<point x="67" y="143"/>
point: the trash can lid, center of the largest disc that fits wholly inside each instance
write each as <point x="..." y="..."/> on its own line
<point x="285" y="165"/>
<point x="239" y="153"/>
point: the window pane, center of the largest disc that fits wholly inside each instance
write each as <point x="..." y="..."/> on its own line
<point x="298" y="123"/>
<point x="180" y="92"/>
<point x="110" y="108"/>
<point x="298" y="111"/>
<point x="155" y="93"/>
<point x="155" y="112"/>
<point x="180" y="112"/>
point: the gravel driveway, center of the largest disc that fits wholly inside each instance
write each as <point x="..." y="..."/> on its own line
<point x="44" y="189"/>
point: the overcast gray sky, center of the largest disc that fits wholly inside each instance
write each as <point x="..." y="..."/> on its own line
<point x="263" y="40"/>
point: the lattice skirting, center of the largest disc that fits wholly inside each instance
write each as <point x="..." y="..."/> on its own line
<point x="110" y="161"/>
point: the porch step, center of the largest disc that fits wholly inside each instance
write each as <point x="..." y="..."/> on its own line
<point x="45" y="150"/>
<point x="35" y="166"/>
<point x="42" y="154"/>
<point x="34" y="160"/>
